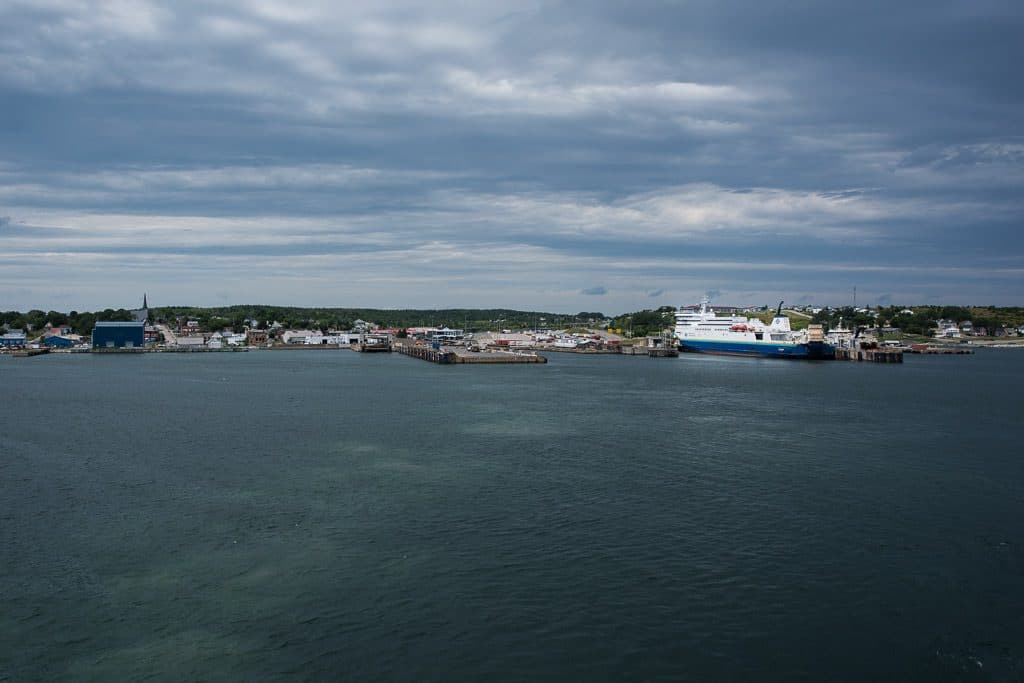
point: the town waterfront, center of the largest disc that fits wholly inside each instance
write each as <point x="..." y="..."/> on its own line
<point x="345" y="516"/>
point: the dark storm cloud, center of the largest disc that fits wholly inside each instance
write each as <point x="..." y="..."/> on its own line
<point x="761" y="149"/>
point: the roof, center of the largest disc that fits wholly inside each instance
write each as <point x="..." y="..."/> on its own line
<point x="119" y="323"/>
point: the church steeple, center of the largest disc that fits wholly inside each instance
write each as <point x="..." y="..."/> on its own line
<point x="141" y="315"/>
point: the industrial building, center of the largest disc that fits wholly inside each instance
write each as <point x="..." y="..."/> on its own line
<point x="59" y="342"/>
<point x="13" y="338"/>
<point x="118" y="335"/>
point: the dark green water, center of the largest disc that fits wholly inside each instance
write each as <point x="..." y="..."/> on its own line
<point x="343" y="516"/>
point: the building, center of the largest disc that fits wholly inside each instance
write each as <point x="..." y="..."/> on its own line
<point x="59" y="342"/>
<point x="13" y="338"/>
<point x="343" y="338"/>
<point x="298" y="336"/>
<point x="118" y="335"/>
<point x="190" y="343"/>
<point x="141" y="315"/>
<point x="57" y="330"/>
<point x="186" y="326"/>
<point x="946" y="329"/>
<point x="254" y="336"/>
<point x="447" y="335"/>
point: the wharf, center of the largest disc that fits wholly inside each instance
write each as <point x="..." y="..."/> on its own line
<point x="871" y="355"/>
<point x="491" y="357"/>
<point x="372" y="348"/>
<point x="201" y="349"/>
<point x="589" y="352"/>
<point x="929" y="350"/>
<point x="28" y="353"/>
<point x="447" y="356"/>
<point x="303" y="347"/>
<point x="427" y="353"/>
<point x="651" y="351"/>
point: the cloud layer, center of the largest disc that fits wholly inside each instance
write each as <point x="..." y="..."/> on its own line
<point x="459" y="155"/>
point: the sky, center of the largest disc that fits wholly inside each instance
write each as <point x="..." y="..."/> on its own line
<point x="554" y="156"/>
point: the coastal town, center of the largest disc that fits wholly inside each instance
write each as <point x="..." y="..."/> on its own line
<point x="142" y="331"/>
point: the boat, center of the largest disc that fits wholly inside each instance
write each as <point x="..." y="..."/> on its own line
<point x="701" y="330"/>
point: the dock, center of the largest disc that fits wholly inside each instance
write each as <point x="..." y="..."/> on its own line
<point x="28" y="353"/>
<point x="492" y="357"/>
<point x="448" y="356"/>
<point x="650" y="352"/>
<point x="652" y="347"/>
<point x="933" y="350"/>
<point x="871" y="355"/>
<point x="439" y="356"/>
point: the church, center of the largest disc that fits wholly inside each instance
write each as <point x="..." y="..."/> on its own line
<point x="141" y="315"/>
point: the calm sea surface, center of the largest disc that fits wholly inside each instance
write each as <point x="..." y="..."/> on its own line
<point x="340" y="516"/>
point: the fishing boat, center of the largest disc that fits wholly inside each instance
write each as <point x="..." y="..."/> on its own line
<point x="701" y="330"/>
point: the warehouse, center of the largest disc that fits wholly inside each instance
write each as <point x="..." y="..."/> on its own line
<point x="14" y="338"/>
<point x="118" y="335"/>
<point x="59" y="342"/>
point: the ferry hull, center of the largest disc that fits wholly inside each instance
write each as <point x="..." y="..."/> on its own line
<point x="803" y="351"/>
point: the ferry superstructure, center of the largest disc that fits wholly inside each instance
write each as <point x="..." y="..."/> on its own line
<point x="701" y="330"/>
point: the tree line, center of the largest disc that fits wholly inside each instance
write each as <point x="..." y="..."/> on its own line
<point x="80" y="323"/>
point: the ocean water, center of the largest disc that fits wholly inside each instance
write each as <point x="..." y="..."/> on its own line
<point x="341" y="516"/>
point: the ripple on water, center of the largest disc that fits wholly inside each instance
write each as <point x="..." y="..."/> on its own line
<point x="597" y="519"/>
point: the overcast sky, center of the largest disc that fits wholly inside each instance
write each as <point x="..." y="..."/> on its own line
<point x="560" y="156"/>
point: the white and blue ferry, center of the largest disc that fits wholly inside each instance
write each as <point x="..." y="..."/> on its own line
<point x="701" y="330"/>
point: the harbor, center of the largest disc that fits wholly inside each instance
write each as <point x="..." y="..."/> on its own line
<point x="799" y="333"/>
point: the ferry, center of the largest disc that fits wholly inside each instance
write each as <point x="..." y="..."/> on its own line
<point x="701" y="330"/>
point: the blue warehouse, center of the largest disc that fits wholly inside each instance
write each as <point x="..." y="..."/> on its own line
<point x="118" y="335"/>
<point x="58" y="342"/>
<point x="13" y="338"/>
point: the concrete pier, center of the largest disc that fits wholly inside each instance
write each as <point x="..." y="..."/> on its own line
<point x="930" y="350"/>
<point x="449" y="356"/>
<point x="871" y="355"/>
<point x="440" y="356"/>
